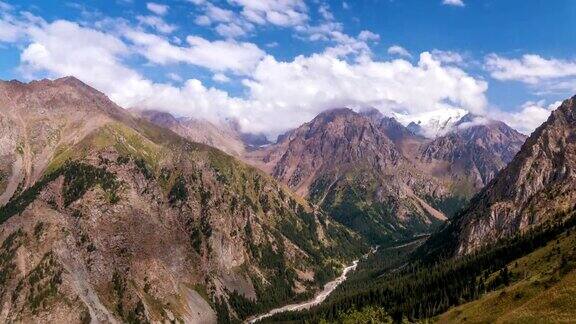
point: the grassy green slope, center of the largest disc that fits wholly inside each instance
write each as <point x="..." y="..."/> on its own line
<point x="542" y="289"/>
<point x="359" y="201"/>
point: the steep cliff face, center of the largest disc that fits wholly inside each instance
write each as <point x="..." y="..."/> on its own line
<point x="345" y="162"/>
<point x="129" y="221"/>
<point x="333" y="140"/>
<point x="536" y="187"/>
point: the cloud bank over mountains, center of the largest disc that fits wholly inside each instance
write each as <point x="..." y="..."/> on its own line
<point x="547" y="74"/>
<point x="278" y="94"/>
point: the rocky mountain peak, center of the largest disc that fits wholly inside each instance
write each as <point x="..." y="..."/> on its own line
<point x="160" y="118"/>
<point x="472" y="153"/>
<point x="344" y="132"/>
<point x="396" y="131"/>
<point x="68" y="82"/>
<point x="389" y="125"/>
<point x="345" y="162"/>
<point x="110" y="218"/>
<point x="41" y="117"/>
<point x="414" y="127"/>
<point x="372" y="113"/>
<point x="470" y="118"/>
<point x="334" y="127"/>
<point x="537" y="186"/>
<point x="337" y="115"/>
<point x="72" y="81"/>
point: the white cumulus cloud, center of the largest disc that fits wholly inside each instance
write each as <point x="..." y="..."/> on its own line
<point x="277" y="12"/>
<point x="528" y="117"/>
<point x="64" y="48"/>
<point x="11" y="28"/>
<point x="367" y="35"/>
<point x="157" y="8"/>
<point x="220" y="77"/>
<point x="293" y="91"/>
<point x="9" y="32"/>
<point x="157" y="23"/>
<point x="448" y="57"/>
<point x="220" y="55"/>
<point x="456" y="3"/>
<point x="398" y="50"/>
<point x="229" y="24"/>
<point x="311" y="84"/>
<point x="530" y="68"/>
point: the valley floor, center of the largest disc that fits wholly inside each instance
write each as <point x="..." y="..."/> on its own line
<point x="528" y="279"/>
<point x="319" y="297"/>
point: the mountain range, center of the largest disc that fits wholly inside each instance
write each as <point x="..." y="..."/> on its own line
<point x="115" y="215"/>
<point x="368" y="171"/>
<point x="508" y="256"/>
<point x="377" y="177"/>
<point x="534" y="189"/>
<point x="111" y="218"/>
<point x="226" y="136"/>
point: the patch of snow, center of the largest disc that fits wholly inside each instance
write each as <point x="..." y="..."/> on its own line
<point x="432" y="123"/>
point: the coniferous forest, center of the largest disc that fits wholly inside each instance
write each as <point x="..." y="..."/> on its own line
<point x="409" y="289"/>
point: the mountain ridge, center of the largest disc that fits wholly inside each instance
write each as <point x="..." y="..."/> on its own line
<point x="474" y="153"/>
<point x="128" y="221"/>
<point x="379" y="162"/>
<point x="535" y="187"/>
<point x="342" y="157"/>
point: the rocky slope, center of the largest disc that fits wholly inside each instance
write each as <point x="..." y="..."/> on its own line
<point x="37" y="119"/>
<point x="472" y="154"/>
<point x="375" y="175"/>
<point x="117" y="220"/>
<point x="535" y="188"/>
<point x="346" y="163"/>
<point x="222" y="137"/>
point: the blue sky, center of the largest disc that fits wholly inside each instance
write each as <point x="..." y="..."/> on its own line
<point x="275" y="64"/>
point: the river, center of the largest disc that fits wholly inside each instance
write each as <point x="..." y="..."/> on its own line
<point x="319" y="298"/>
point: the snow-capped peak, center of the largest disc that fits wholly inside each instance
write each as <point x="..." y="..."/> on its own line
<point x="432" y="123"/>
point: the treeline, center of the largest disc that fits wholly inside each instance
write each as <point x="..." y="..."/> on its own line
<point x="418" y="291"/>
<point x="78" y="178"/>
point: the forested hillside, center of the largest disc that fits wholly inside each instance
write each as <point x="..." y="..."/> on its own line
<point x="408" y="289"/>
